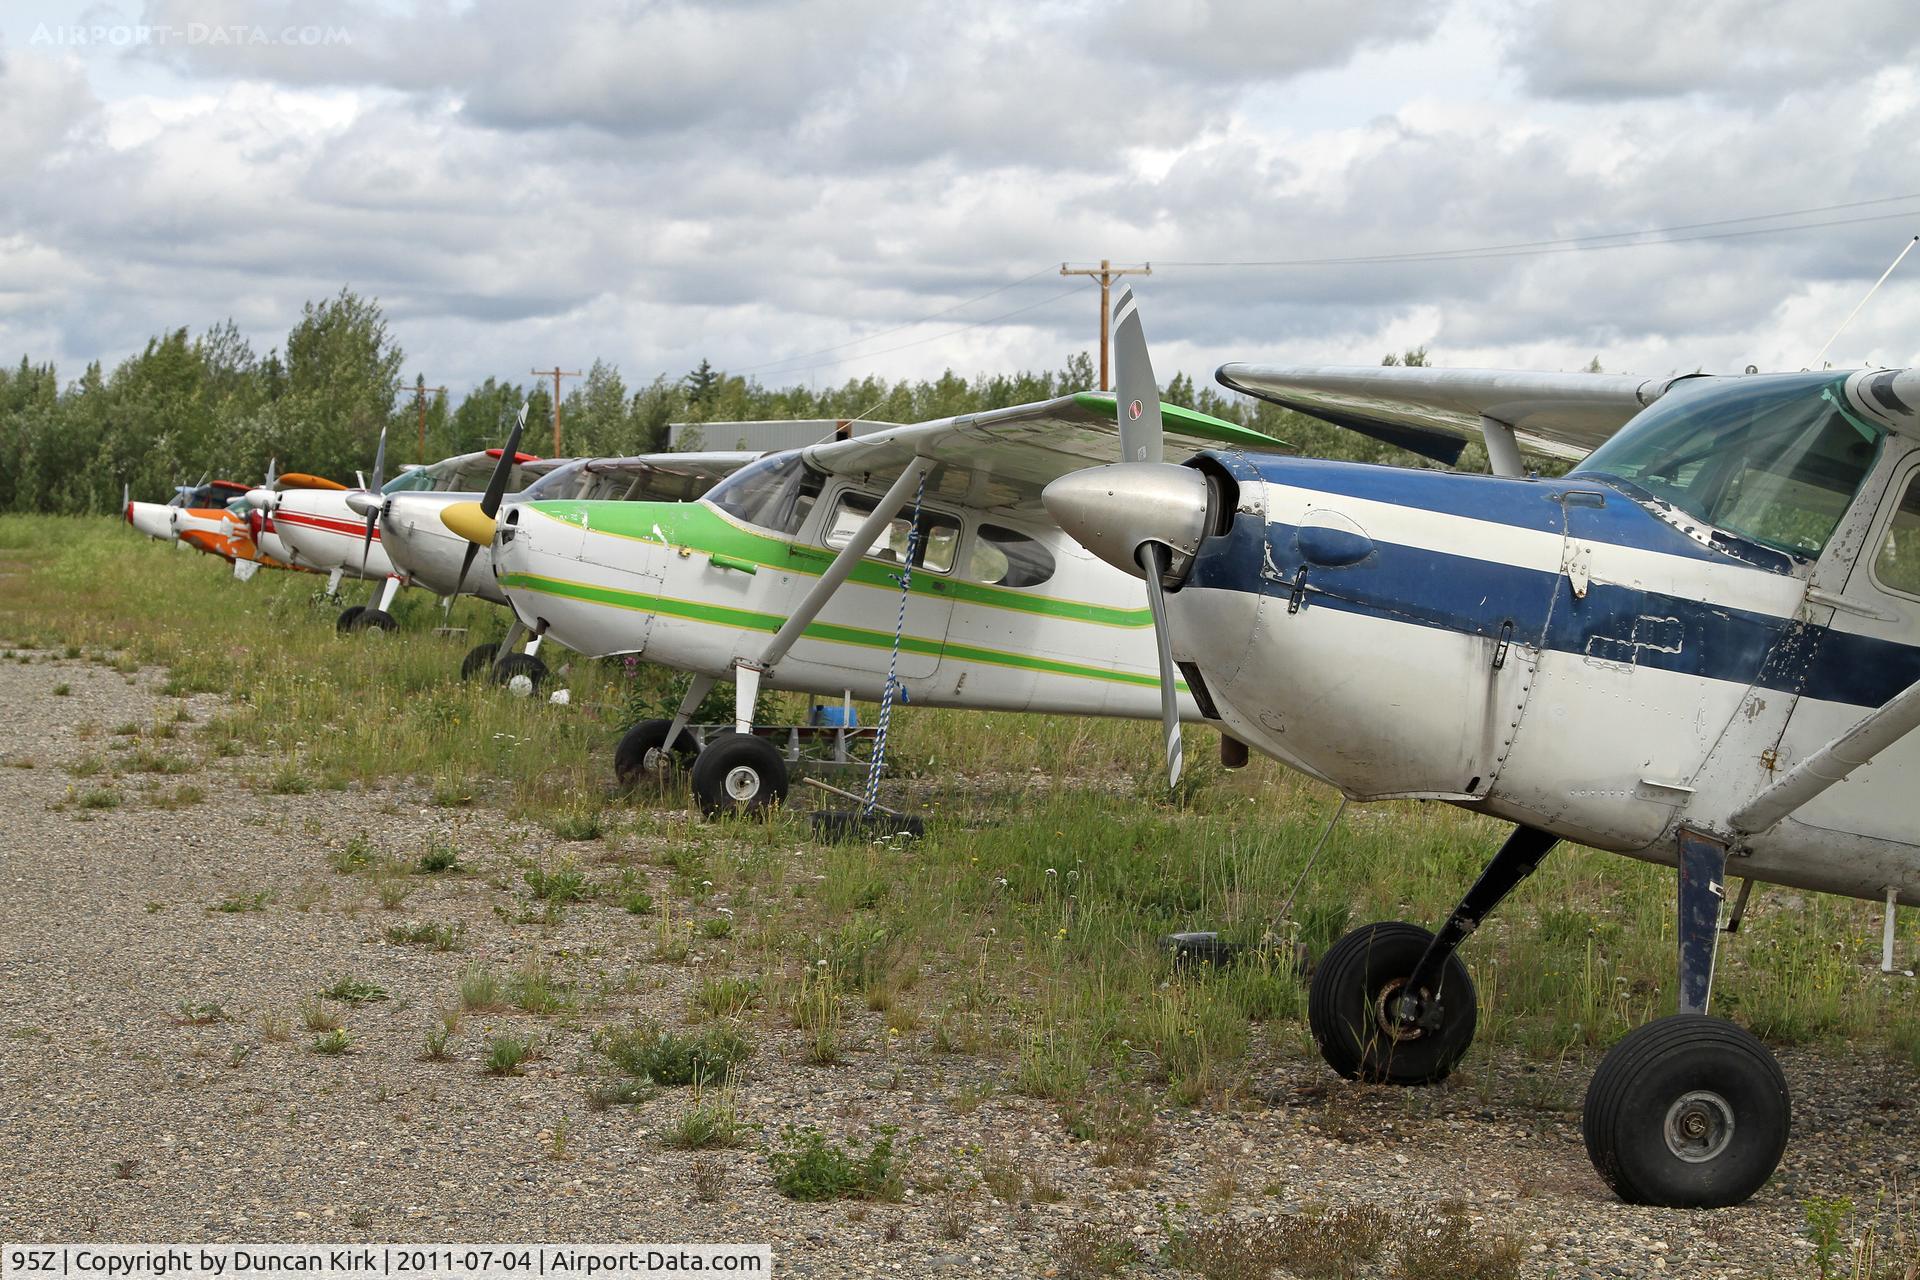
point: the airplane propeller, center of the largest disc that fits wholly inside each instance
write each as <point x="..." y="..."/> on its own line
<point x="368" y="499"/>
<point x="1136" y="514"/>
<point x="474" y="521"/>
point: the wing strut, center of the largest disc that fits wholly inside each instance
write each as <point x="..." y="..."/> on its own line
<point x="1882" y="727"/>
<point x="748" y="670"/>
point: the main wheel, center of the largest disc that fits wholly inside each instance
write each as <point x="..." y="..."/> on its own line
<point x="349" y="620"/>
<point x="739" y="773"/>
<point x="1350" y="1008"/>
<point x="1688" y="1112"/>
<point x="520" y="666"/>
<point x="376" y="620"/>
<point x="478" y="659"/>
<point x="643" y="753"/>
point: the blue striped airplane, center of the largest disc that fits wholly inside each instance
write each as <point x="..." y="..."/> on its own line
<point x="1700" y="648"/>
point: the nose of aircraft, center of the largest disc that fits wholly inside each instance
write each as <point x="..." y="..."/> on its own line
<point x="151" y="518"/>
<point x="470" y="521"/>
<point x="261" y="499"/>
<point x="1114" y="510"/>
<point x="363" y="503"/>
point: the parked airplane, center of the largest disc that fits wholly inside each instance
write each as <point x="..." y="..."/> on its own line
<point x="918" y="552"/>
<point x="424" y="548"/>
<point x="338" y="530"/>
<point x="1700" y="648"/>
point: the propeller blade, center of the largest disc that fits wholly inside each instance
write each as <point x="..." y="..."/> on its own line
<point x="473" y="550"/>
<point x="273" y="472"/>
<point x="497" y="483"/>
<point x="1156" y="560"/>
<point x="380" y="462"/>
<point x="373" y="513"/>
<point x="1136" y="394"/>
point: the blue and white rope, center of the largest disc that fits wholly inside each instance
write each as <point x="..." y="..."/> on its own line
<point x="879" y="762"/>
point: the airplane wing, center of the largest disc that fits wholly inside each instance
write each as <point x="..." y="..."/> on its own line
<point x="1434" y="412"/>
<point x="1003" y="458"/>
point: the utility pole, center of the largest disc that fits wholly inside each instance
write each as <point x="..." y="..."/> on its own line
<point x="1106" y="273"/>
<point x="556" y="373"/>
<point x="420" y="390"/>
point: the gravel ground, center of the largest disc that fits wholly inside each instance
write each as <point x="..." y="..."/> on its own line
<point x="119" y="1121"/>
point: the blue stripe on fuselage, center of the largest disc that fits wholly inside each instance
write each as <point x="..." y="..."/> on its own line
<point x="1480" y="597"/>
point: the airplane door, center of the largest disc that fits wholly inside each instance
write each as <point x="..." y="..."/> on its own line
<point x="1871" y="652"/>
<point x="855" y="630"/>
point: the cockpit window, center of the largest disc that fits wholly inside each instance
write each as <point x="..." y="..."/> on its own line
<point x="1897" y="567"/>
<point x="1007" y="558"/>
<point x="938" y="539"/>
<point x="1775" y="460"/>
<point x="775" y="492"/>
<point x="412" y="480"/>
<point x="608" y="481"/>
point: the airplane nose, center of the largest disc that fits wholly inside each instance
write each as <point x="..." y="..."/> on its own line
<point x="261" y="499"/>
<point x="363" y="503"/>
<point x="1114" y="510"/>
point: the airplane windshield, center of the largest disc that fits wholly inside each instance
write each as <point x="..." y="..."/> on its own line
<point x="412" y="480"/>
<point x="774" y="493"/>
<point x="1775" y="460"/>
<point x="594" y="481"/>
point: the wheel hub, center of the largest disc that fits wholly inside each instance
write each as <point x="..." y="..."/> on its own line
<point x="1386" y="1012"/>
<point x="743" y="783"/>
<point x="1699" y="1126"/>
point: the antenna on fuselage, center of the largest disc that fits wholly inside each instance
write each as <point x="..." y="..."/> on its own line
<point x="1819" y="359"/>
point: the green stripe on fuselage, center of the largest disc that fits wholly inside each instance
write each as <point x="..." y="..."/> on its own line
<point x="830" y="633"/>
<point x="697" y="527"/>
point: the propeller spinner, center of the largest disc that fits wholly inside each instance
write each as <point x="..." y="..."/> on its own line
<point x="474" y="520"/>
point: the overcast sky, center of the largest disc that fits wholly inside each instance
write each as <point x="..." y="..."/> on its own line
<point x="810" y="189"/>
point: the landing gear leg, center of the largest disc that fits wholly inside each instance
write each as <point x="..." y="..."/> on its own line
<point x="523" y="673"/>
<point x="333" y="583"/>
<point x="377" y="617"/>
<point x="1690" y="1111"/>
<point x="1394" y="1004"/>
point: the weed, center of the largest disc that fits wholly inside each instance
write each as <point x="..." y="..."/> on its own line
<point x="1002" y="1178"/>
<point x="816" y="1011"/>
<point x="355" y="855"/>
<point x="808" y="1166"/>
<point x="125" y="1168"/>
<point x="62" y="689"/>
<point x="334" y="1042"/>
<point x="480" y="989"/>
<point x="100" y="798"/>
<point x="710" y="1120"/>
<point x="435" y="937"/>
<point x="145" y="760"/>
<point x="434" y="1046"/>
<point x="1826" y="1229"/>
<point x="276" y="1027"/>
<point x="649" y="1052"/>
<point x="1449" y="1249"/>
<point x="181" y="797"/>
<point x="638" y="902"/>
<point x="562" y="884"/>
<point x="288" y="780"/>
<point x="709" y="1178"/>
<point x="393" y="892"/>
<point x="199" y="1013"/>
<point x="87" y="767"/>
<point x="439" y="857"/>
<point x="505" y="1053"/>
<point x="618" y="1093"/>
<point x="1086" y="1250"/>
<point x="317" y="1015"/>
<point x="356" y="991"/>
<point x="578" y="825"/>
<point x="558" y="1151"/>
<point x="236" y="903"/>
<point x="726" y="996"/>
<point x="716" y="927"/>
<point x="534" y="989"/>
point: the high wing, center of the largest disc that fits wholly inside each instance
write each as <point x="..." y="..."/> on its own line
<point x="1003" y="458"/>
<point x="302" y="480"/>
<point x="1434" y="412"/>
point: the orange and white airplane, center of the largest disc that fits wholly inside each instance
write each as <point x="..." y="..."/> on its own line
<point x="240" y="535"/>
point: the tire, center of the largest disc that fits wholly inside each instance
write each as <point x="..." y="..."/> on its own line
<point x="1348" y="996"/>
<point x="376" y="620"/>
<point x="520" y="664"/>
<point x="739" y="773"/>
<point x="1663" y="1080"/>
<point x="478" y="659"/>
<point x="349" y="620"/>
<point x="642" y="753"/>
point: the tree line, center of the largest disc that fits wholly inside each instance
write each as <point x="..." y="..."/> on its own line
<point x="191" y="406"/>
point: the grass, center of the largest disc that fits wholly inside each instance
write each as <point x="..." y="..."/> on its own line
<point x="711" y="1120"/>
<point x="334" y="1042"/>
<point x="647" y="1051"/>
<point x="1022" y="928"/>
<point x="506" y="1052"/>
<point x="431" y="935"/>
<point x="807" y="1165"/>
<point x="354" y="991"/>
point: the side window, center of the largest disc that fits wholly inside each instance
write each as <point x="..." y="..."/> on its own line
<point x="1897" y="567"/>
<point x="939" y="534"/>
<point x="1008" y="558"/>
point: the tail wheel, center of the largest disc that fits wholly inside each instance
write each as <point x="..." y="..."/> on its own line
<point x="349" y="620"/>
<point x="478" y="659"/>
<point x="1689" y="1112"/>
<point x="1351" y="1008"/>
<point x="520" y="666"/>
<point x="739" y="773"/>
<point x="643" y="752"/>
